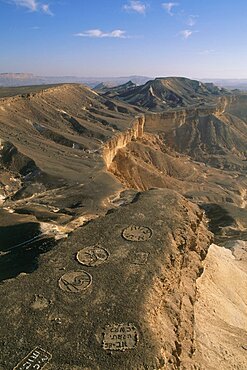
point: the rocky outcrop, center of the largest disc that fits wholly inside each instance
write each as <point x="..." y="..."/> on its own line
<point x="121" y="140"/>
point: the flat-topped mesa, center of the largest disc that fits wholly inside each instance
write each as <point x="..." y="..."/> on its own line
<point x="119" y="141"/>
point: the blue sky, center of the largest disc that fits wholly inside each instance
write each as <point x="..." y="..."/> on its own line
<point x="192" y="38"/>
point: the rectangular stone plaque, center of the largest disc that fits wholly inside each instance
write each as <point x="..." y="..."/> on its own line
<point x="35" y="360"/>
<point x="120" y="337"/>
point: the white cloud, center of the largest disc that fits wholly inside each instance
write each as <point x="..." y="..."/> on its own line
<point x="46" y="9"/>
<point x="33" y="5"/>
<point x="97" y="33"/>
<point x="186" y="33"/>
<point x="169" y="7"/>
<point x="191" y="21"/>
<point x="29" y="4"/>
<point x="135" y="6"/>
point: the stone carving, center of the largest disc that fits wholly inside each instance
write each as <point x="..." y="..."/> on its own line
<point x="75" y="281"/>
<point x="120" y="337"/>
<point x="92" y="256"/>
<point x="35" y="360"/>
<point x="137" y="233"/>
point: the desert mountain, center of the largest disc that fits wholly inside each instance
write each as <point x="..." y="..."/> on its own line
<point x="109" y="204"/>
<point x="163" y="93"/>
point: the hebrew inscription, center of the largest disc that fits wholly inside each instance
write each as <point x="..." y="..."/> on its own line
<point x="75" y="281"/>
<point x="92" y="256"/>
<point x="120" y="337"/>
<point x="35" y="360"/>
<point x="137" y="233"/>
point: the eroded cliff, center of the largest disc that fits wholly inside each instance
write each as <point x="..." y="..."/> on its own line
<point x="121" y="140"/>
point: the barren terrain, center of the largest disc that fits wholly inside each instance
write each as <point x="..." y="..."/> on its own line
<point x="141" y="180"/>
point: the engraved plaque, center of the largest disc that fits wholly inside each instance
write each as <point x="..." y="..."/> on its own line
<point x="92" y="256"/>
<point x="37" y="359"/>
<point x="75" y="281"/>
<point x="137" y="233"/>
<point x="120" y="337"/>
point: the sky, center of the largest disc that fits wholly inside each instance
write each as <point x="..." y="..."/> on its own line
<point x="106" y="38"/>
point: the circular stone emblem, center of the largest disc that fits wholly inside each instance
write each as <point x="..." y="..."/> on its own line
<point x="75" y="281"/>
<point x="137" y="233"/>
<point x="92" y="256"/>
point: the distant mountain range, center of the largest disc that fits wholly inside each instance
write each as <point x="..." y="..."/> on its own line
<point x="26" y="79"/>
<point x="240" y="84"/>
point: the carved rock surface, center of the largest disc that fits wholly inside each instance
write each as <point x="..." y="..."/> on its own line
<point x="133" y="315"/>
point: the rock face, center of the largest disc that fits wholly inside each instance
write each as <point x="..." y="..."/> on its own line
<point x="221" y="309"/>
<point x="133" y="310"/>
<point x="214" y="135"/>
<point x="122" y="140"/>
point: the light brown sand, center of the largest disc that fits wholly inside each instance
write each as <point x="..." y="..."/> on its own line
<point x="221" y="310"/>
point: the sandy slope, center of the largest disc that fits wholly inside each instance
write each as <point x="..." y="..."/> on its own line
<point x="221" y="309"/>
